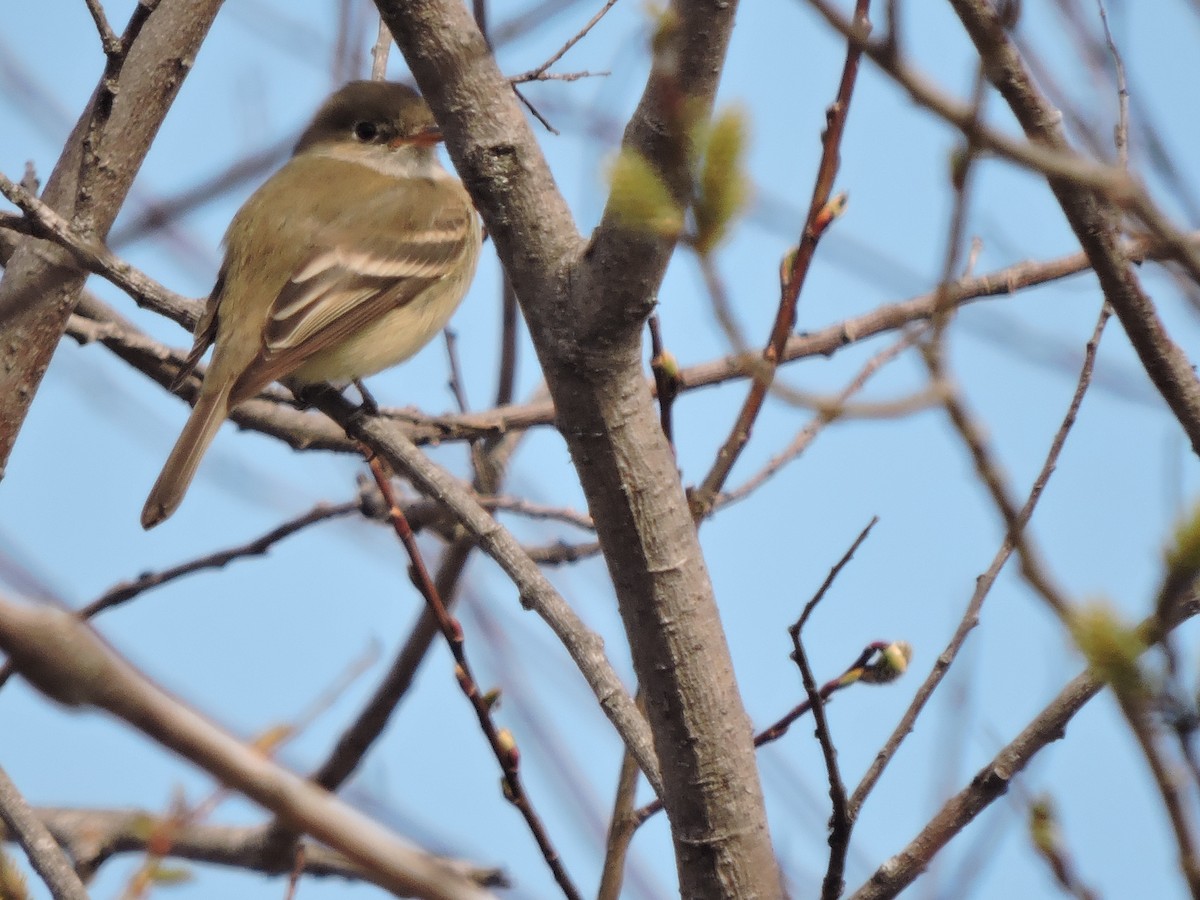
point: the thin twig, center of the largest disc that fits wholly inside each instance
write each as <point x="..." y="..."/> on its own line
<point x="839" y="819"/>
<point x="510" y="323"/>
<point x="719" y="299"/>
<point x="534" y="111"/>
<point x="126" y="591"/>
<point x="108" y="38"/>
<point x="666" y="377"/>
<point x="621" y="830"/>
<point x="536" y="74"/>
<point x="984" y="582"/>
<point x="1121" y="132"/>
<point x="500" y="741"/>
<point x="834" y="410"/>
<point x="526" y="77"/>
<point x="457" y="385"/>
<point x="1033" y="569"/>
<point x="259" y="546"/>
<point x="815" y="223"/>
<point x="833" y="574"/>
<point x="530" y="510"/>
<point x="379" y="52"/>
<point x="294" y="875"/>
<point x="964" y="167"/>
<point x="1175" y="801"/>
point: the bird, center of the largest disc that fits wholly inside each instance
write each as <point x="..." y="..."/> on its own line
<point x="346" y="261"/>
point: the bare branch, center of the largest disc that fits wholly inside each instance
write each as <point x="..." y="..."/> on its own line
<point x="536" y="592"/>
<point x="792" y="281"/>
<point x="93" y="836"/>
<point x="983" y="584"/>
<point x="64" y="659"/>
<point x="46" y="223"/>
<point x="45" y="855"/>
<point x="1094" y="222"/>
<point x="540" y="71"/>
<point x="39" y="290"/>
<point x="992" y="781"/>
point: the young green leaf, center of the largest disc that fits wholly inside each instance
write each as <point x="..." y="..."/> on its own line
<point x="722" y="188"/>
<point x="640" y="200"/>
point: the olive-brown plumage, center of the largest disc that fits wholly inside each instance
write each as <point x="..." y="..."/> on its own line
<point x="346" y="261"/>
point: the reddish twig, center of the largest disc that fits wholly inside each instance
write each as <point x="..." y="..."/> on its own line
<point x="820" y="213"/>
<point x="502" y="743"/>
<point x="297" y="869"/>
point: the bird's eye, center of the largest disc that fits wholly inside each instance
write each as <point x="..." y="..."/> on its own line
<point x="366" y="131"/>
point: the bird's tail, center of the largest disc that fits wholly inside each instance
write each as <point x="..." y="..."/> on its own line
<point x="180" y="467"/>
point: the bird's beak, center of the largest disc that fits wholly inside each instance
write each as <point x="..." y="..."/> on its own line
<point x="426" y="138"/>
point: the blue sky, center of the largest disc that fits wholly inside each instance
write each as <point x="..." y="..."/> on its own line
<point x="254" y="643"/>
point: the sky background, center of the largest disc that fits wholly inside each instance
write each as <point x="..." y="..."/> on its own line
<point x="254" y="644"/>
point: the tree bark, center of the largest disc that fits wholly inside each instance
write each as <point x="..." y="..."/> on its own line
<point x="41" y="282"/>
<point x="585" y="304"/>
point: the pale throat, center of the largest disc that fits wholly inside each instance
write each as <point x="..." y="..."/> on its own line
<point x="402" y="162"/>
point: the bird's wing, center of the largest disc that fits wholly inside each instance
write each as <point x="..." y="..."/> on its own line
<point x="406" y="239"/>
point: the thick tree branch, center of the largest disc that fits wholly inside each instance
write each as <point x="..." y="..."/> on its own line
<point x="68" y="662"/>
<point x="93" y="836"/>
<point x="41" y="283"/>
<point x="585" y="308"/>
<point x="1092" y="217"/>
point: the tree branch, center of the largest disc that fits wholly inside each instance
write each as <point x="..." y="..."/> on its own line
<point x="992" y="781"/>
<point x="1092" y="217"/>
<point x="67" y="661"/>
<point x="40" y="284"/>
<point x="92" y="836"/>
<point x="585" y="307"/>
<point x="45" y="855"/>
